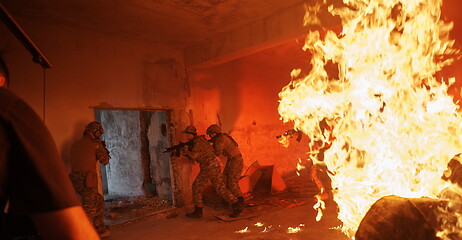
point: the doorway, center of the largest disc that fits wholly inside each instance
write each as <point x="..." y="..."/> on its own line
<point x="138" y="173"/>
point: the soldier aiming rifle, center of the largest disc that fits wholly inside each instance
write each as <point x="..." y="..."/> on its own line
<point x="177" y="148"/>
<point x="203" y="153"/>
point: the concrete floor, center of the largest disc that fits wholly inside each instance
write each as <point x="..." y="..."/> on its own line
<point x="290" y="208"/>
<point x="165" y="227"/>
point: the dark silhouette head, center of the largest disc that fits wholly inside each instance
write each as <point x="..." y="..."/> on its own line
<point x="4" y="74"/>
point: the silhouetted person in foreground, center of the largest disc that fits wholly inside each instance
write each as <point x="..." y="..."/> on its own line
<point x="33" y="180"/>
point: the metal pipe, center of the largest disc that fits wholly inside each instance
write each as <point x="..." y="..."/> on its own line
<point x="18" y="32"/>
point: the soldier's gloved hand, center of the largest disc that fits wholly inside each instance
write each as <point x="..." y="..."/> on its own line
<point x="102" y="147"/>
<point x="102" y="153"/>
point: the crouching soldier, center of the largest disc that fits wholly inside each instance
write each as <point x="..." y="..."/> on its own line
<point x="85" y="153"/>
<point x="202" y="152"/>
<point x="226" y="145"/>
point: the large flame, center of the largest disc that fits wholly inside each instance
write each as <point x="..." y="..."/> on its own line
<point x="392" y="127"/>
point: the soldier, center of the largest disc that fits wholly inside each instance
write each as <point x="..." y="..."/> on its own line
<point x="226" y="145"/>
<point x="202" y="152"/>
<point x="85" y="153"/>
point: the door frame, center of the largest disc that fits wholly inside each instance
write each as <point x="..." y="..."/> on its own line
<point x="171" y="140"/>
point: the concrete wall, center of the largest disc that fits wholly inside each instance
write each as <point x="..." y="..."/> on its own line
<point x="244" y="97"/>
<point x="91" y="69"/>
<point x="160" y="161"/>
<point x="126" y="172"/>
<point x="122" y="135"/>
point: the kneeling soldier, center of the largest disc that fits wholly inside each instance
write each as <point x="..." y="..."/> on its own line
<point x="85" y="154"/>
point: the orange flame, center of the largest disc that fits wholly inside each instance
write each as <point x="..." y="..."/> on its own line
<point x="395" y="127"/>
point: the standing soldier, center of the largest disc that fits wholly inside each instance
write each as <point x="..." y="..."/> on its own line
<point x="85" y="153"/>
<point x="226" y="145"/>
<point x="202" y="152"/>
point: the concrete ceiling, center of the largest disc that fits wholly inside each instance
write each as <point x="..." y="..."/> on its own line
<point x="183" y="23"/>
<point x="177" y="23"/>
<point x="284" y="57"/>
<point x="289" y="55"/>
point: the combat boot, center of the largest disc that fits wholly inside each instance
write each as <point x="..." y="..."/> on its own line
<point x="237" y="209"/>
<point x="196" y="214"/>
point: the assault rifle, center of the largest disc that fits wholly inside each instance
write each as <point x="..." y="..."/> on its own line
<point x="177" y="148"/>
<point x="290" y="133"/>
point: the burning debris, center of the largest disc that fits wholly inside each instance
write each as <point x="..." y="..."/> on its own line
<point x="385" y="125"/>
<point x="245" y="230"/>
<point x="295" y="229"/>
<point x="299" y="167"/>
<point x="270" y="228"/>
<point x="259" y="224"/>
<point x="319" y="206"/>
<point x="266" y="228"/>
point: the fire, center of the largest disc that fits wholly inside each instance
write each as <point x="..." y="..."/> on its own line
<point x="319" y="206"/>
<point x="386" y="124"/>
<point x="299" y="167"/>
<point x="245" y="230"/>
<point x="295" y="229"/>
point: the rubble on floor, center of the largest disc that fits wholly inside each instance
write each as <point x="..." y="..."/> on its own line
<point x="127" y="209"/>
<point x="301" y="190"/>
<point x="285" y="215"/>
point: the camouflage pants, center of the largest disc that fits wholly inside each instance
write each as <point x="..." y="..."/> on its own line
<point x="92" y="201"/>
<point x="212" y="174"/>
<point x="232" y="174"/>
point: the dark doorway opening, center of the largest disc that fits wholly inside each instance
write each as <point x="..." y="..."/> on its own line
<point x="137" y="181"/>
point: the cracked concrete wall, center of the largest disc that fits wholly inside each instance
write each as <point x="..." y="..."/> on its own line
<point x="160" y="161"/>
<point x="126" y="171"/>
<point x="243" y="97"/>
<point x="122" y="136"/>
<point x="271" y="31"/>
<point x="91" y="70"/>
<point x="95" y="70"/>
<point x="281" y="27"/>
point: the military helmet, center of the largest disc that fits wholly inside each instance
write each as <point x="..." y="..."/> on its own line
<point x="213" y="129"/>
<point x="191" y="130"/>
<point x="93" y="126"/>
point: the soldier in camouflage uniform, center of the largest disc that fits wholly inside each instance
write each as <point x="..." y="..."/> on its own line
<point x="85" y="154"/>
<point x="202" y="152"/>
<point x="226" y="145"/>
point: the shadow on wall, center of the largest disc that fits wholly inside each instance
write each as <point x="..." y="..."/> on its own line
<point x="226" y="79"/>
<point x="77" y="133"/>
